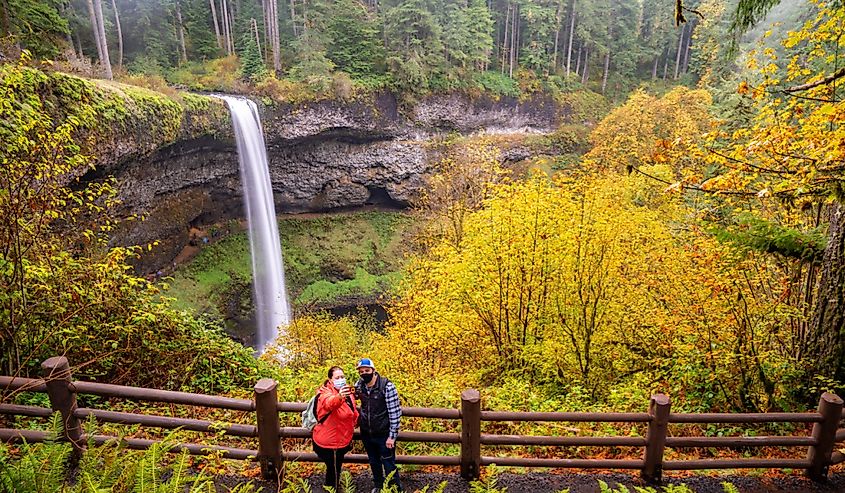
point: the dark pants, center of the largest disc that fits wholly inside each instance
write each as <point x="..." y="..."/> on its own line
<point x="333" y="459"/>
<point x="382" y="460"/>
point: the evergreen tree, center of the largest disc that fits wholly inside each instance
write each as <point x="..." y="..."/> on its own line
<point x="468" y="35"/>
<point x="414" y="45"/>
<point x="252" y="64"/>
<point x="35" y="25"/>
<point x="312" y="65"/>
<point x="354" y="41"/>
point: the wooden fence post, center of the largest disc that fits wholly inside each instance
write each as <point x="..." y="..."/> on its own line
<point x="57" y="376"/>
<point x="267" y="419"/>
<point x="470" y="434"/>
<point x="819" y="455"/>
<point x="652" y="471"/>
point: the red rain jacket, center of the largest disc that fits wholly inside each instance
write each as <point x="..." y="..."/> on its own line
<point x="336" y="431"/>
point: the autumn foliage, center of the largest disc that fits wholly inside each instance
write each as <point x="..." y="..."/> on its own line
<point x="593" y="286"/>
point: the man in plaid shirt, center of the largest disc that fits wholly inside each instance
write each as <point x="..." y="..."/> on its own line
<point x="379" y="422"/>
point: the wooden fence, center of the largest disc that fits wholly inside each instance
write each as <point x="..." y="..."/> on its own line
<point x="818" y="447"/>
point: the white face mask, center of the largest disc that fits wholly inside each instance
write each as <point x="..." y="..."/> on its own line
<point x="339" y="383"/>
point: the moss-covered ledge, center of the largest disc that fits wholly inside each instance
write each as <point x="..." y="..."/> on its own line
<point x="137" y="121"/>
<point x="119" y="121"/>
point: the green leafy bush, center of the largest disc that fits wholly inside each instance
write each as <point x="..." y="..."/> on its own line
<point x="497" y="84"/>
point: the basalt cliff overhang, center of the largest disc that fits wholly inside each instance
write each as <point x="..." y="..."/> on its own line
<point x="322" y="155"/>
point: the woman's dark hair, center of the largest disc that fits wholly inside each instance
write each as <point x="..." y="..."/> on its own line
<point x="332" y="370"/>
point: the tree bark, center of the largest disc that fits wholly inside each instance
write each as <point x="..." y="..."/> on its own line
<point x="231" y="27"/>
<point x="293" y="17"/>
<point x="254" y="25"/>
<point x="78" y="41"/>
<point x="119" y="35"/>
<point x="586" y="76"/>
<point x="606" y="70"/>
<point x="505" y="48"/>
<point x="227" y="32"/>
<point x="557" y="35"/>
<point x="516" y="37"/>
<point x="666" y="63"/>
<point x="685" y="63"/>
<point x="96" y="11"/>
<point x="180" y="31"/>
<point x="266" y="16"/>
<point x="277" y="46"/>
<point x="678" y="53"/>
<point x="571" y="36"/>
<point x="214" y="21"/>
<point x="92" y="15"/>
<point x="578" y="59"/>
<point x="827" y="345"/>
<point x="607" y="55"/>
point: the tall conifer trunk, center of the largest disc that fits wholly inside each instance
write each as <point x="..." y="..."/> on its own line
<point x="827" y="335"/>
<point x="678" y="53"/>
<point x="606" y="71"/>
<point x="227" y="29"/>
<point x="95" y="11"/>
<point x="571" y="36"/>
<point x="119" y="35"/>
<point x="214" y="21"/>
<point x="586" y="76"/>
<point x="180" y="32"/>
<point x="685" y="62"/>
<point x="293" y="17"/>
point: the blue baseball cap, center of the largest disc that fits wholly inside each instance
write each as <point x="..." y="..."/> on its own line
<point x="365" y="363"/>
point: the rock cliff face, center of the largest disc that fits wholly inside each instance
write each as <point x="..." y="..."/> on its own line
<point x="323" y="155"/>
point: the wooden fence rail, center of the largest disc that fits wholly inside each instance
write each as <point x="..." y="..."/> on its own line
<point x="818" y="447"/>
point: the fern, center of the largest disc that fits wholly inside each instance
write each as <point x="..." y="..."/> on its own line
<point x="244" y="488"/>
<point x="729" y="488"/>
<point x="490" y="484"/>
<point x="296" y="486"/>
<point x="605" y="488"/>
<point x="440" y="487"/>
<point x="346" y="483"/>
<point x="109" y="468"/>
<point x="42" y="467"/>
<point x="681" y="488"/>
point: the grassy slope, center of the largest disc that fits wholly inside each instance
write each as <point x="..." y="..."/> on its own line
<point x="326" y="258"/>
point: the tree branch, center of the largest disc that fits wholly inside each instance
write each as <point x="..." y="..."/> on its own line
<point x="827" y="80"/>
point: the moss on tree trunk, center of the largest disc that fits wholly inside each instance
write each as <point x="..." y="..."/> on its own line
<point x="828" y="340"/>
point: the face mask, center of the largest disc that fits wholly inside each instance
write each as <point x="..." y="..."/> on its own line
<point x="367" y="377"/>
<point x="339" y="383"/>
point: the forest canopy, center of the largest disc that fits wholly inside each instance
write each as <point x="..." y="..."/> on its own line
<point x="408" y="45"/>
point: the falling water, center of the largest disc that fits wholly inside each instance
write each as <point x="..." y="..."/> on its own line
<point x="271" y="302"/>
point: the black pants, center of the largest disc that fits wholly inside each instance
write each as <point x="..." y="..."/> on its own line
<point x="382" y="460"/>
<point x="333" y="459"/>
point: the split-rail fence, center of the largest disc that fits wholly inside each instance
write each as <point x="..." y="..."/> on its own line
<point x="816" y="451"/>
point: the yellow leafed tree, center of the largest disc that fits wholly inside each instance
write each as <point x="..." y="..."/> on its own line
<point x="585" y="285"/>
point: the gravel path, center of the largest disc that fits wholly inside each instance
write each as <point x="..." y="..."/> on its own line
<point x="578" y="483"/>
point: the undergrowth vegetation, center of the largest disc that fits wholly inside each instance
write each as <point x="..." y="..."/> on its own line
<point x="327" y="260"/>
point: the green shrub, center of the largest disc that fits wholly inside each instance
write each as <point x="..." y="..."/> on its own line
<point x="497" y="84"/>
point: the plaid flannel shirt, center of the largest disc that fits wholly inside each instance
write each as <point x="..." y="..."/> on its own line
<point x="394" y="411"/>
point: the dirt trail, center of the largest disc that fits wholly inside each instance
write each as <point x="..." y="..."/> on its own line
<point x="581" y="483"/>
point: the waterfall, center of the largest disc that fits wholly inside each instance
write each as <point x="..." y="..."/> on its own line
<point x="268" y="272"/>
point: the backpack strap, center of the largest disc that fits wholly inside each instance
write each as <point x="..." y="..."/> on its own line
<point x="324" y="418"/>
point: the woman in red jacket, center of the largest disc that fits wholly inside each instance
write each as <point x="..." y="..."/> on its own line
<point x="336" y="418"/>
